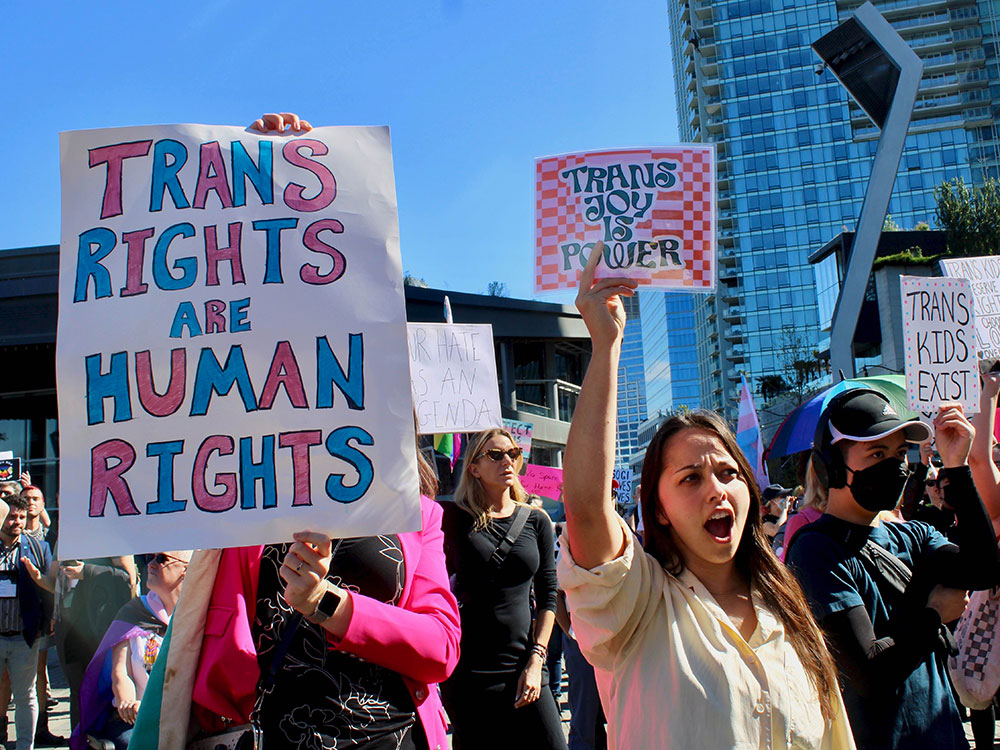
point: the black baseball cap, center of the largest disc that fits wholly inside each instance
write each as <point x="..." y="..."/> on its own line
<point x="774" y="491"/>
<point x="869" y="416"/>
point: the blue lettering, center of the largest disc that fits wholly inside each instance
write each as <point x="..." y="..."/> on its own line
<point x="187" y="266"/>
<point x="165" y="174"/>
<point x="330" y="373"/>
<point x="259" y="174"/>
<point x="272" y="246"/>
<point x="88" y="263"/>
<point x="185" y="316"/>
<point x="164" y="453"/>
<point x="263" y="471"/>
<point x="112" y="384"/>
<point x="338" y="447"/>
<point x="211" y="377"/>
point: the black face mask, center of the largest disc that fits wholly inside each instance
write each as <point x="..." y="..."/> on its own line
<point x="879" y="487"/>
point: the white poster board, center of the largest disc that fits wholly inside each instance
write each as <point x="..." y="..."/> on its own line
<point x="453" y="375"/>
<point x="939" y="340"/>
<point x="224" y="375"/>
<point x="984" y="275"/>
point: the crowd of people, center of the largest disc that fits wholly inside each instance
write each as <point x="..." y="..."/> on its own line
<point x="730" y="616"/>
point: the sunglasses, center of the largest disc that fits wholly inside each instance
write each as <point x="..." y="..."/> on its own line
<point x="162" y="558"/>
<point x="496" y="454"/>
<point x="932" y="482"/>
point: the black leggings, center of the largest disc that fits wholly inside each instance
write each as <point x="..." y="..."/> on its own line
<point x="484" y="718"/>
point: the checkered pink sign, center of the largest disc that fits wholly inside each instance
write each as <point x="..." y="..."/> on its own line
<point x="684" y="211"/>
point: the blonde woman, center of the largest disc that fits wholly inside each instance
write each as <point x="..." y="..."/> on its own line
<point x="496" y="547"/>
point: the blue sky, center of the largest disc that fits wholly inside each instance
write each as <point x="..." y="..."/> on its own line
<point x="473" y="92"/>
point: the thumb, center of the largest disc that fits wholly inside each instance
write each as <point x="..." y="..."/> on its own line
<point x="31" y="568"/>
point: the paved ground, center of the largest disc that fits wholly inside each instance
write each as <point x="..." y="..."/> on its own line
<point x="59" y="716"/>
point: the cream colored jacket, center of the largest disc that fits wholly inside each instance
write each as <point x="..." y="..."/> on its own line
<point x="673" y="672"/>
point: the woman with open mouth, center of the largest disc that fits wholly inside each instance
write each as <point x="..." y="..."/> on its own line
<point x="701" y="638"/>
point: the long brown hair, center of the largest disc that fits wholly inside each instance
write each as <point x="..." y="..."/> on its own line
<point x="470" y="495"/>
<point x="769" y="579"/>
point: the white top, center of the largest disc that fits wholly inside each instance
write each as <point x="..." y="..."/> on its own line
<point x="138" y="668"/>
<point x="673" y="672"/>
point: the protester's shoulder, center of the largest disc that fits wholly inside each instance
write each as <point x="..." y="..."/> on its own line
<point x="914" y="536"/>
<point x="540" y="520"/>
<point x="812" y="547"/>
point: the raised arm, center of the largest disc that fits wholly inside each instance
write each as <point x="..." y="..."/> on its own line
<point x="984" y="472"/>
<point x="595" y="535"/>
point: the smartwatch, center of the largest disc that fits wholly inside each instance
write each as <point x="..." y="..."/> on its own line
<point x="326" y="607"/>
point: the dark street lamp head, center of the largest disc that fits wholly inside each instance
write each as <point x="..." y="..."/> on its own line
<point x="861" y="66"/>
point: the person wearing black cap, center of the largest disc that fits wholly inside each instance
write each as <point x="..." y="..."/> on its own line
<point x="882" y="592"/>
<point x="774" y="499"/>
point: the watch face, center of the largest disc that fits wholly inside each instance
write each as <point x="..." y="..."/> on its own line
<point x="328" y="604"/>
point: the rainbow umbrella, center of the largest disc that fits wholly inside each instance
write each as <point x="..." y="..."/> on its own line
<point x="797" y="431"/>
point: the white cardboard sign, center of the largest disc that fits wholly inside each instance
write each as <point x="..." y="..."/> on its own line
<point x="231" y="355"/>
<point x="453" y="375"/>
<point x="984" y="275"/>
<point x="940" y="343"/>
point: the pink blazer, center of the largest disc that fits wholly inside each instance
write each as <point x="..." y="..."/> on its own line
<point x="419" y="638"/>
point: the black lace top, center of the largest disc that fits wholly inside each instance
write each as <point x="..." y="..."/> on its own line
<point x="323" y="698"/>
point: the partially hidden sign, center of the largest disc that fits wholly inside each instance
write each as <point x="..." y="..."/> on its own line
<point x="521" y="432"/>
<point x="453" y="375"/>
<point x="984" y="275"/>
<point x="231" y="354"/>
<point x="654" y="208"/>
<point x="544" y="481"/>
<point x="939" y="340"/>
<point x="621" y="484"/>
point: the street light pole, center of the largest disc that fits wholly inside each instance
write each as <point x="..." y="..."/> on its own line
<point x="882" y="74"/>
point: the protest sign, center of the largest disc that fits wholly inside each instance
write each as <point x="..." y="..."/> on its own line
<point x="231" y="355"/>
<point x="621" y="484"/>
<point x="544" y="481"/>
<point x="654" y="208"/>
<point x="453" y="374"/>
<point x="984" y="275"/>
<point x="940" y="343"/>
<point x="521" y="432"/>
<point x="10" y="468"/>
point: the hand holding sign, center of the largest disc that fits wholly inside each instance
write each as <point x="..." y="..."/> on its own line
<point x="599" y="303"/>
<point x="276" y="123"/>
<point x="953" y="434"/>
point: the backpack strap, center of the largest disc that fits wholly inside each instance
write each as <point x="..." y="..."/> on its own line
<point x="505" y="545"/>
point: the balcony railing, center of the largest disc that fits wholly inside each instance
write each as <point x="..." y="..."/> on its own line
<point x="555" y="399"/>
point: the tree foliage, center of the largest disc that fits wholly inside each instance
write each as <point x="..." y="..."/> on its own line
<point x="771" y="386"/>
<point x="497" y="289"/>
<point x="970" y="216"/>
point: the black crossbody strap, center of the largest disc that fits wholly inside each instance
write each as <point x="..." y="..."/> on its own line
<point x="505" y="545"/>
<point x="281" y="651"/>
<point x="890" y="568"/>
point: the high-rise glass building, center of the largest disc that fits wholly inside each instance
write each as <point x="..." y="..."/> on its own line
<point x="794" y="156"/>
<point x="631" y="384"/>
<point x="670" y="352"/>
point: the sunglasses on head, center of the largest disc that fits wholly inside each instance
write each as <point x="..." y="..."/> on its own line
<point x="162" y="558"/>
<point x="496" y="454"/>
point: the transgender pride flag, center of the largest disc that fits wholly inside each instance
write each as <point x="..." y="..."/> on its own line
<point x="748" y="435"/>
